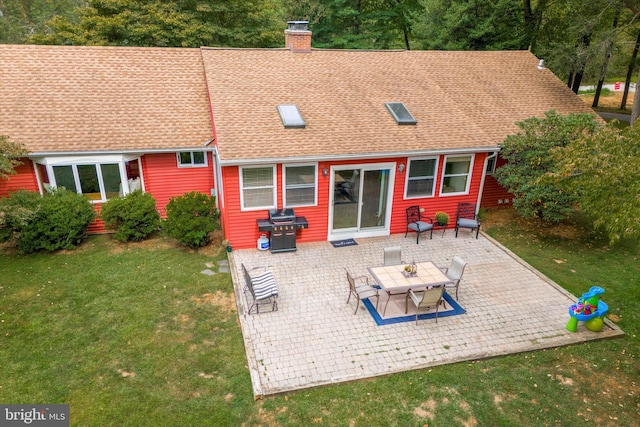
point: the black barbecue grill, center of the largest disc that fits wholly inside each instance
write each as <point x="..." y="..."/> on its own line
<point x="282" y="226"/>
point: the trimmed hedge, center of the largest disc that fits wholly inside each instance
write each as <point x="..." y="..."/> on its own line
<point x="191" y="217"/>
<point x="133" y="217"/>
<point x="55" y="221"/>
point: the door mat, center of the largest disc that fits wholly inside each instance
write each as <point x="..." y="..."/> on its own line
<point x="395" y="310"/>
<point x="345" y="242"/>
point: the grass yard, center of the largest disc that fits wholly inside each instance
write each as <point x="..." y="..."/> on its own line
<point x="136" y="335"/>
<point x="609" y="101"/>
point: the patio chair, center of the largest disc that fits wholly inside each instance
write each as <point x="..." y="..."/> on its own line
<point x="346" y="189"/>
<point x="418" y="223"/>
<point x="364" y="290"/>
<point x="351" y="183"/>
<point x="429" y="298"/>
<point x="262" y="288"/>
<point x="393" y="255"/>
<point x="454" y="273"/>
<point x="466" y="218"/>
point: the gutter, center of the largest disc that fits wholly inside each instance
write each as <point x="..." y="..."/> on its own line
<point x="112" y="152"/>
<point x="356" y="156"/>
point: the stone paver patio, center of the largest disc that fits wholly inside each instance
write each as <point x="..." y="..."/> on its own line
<point x="315" y="339"/>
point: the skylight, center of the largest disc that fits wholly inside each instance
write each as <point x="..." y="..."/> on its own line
<point x="400" y="113"/>
<point x="290" y="115"/>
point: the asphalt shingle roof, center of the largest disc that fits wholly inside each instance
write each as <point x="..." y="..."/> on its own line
<point x="89" y="99"/>
<point x="118" y="99"/>
<point x="461" y="100"/>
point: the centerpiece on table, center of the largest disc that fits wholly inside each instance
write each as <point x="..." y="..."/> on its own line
<point x="410" y="270"/>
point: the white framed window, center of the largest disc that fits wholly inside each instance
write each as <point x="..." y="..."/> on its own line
<point x="300" y="183"/>
<point x="421" y="177"/>
<point x="99" y="178"/>
<point x="258" y="187"/>
<point x="98" y="182"/>
<point x="491" y="165"/>
<point x="456" y="175"/>
<point x="192" y="159"/>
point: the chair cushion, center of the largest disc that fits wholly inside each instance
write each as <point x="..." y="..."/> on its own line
<point x="467" y="223"/>
<point x="264" y="286"/>
<point x="366" y="291"/>
<point x="420" y="226"/>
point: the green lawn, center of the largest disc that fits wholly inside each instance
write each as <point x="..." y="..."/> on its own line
<point x="135" y="335"/>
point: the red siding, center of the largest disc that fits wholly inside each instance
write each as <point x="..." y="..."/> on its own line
<point x="25" y="179"/>
<point x="431" y="205"/>
<point x="163" y="179"/>
<point x="97" y="226"/>
<point x="494" y="194"/>
<point x="241" y="230"/>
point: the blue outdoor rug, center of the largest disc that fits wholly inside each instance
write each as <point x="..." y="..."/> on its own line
<point x="395" y="310"/>
<point x="342" y="243"/>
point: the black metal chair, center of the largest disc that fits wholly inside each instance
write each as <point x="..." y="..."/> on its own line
<point x="418" y="223"/>
<point x="466" y="218"/>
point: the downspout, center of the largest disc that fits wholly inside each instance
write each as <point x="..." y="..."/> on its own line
<point x="38" y="178"/>
<point x="484" y="175"/>
<point x="142" y="186"/>
<point x="217" y="177"/>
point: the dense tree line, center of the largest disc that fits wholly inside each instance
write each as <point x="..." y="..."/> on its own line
<point x="579" y="40"/>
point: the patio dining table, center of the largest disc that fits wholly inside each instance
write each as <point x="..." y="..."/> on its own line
<point x="394" y="280"/>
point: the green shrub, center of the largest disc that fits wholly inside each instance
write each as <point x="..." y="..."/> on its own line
<point x="16" y="211"/>
<point x="133" y="217"/>
<point x="61" y="222"/>
<point x="190" y="218"/>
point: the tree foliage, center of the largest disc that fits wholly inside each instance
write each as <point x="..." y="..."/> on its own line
<point x="10" y="154"/>
<point x="357" y="24"/>
<point x="191" y="23"/>
<point x="472" y="25"/>
<point x="528" y="163"/>
<point x="603" y="168"/>
<point x="20" y="19"/>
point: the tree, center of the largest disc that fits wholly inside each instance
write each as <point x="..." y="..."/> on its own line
<point x="574" y="35"/>
<point x="357" y="24"/>
<point x="528" y="163"/>
<point x="236" y="23"/>
<point x="471" y="25"/>
<point x="630" y="67"/>
<point x="10" y="154"/>
<point x="532" y="21"/>
<point x="602" y="167"/>
<point x="21" y="18"/>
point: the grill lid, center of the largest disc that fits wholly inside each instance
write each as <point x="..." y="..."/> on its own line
<point x="281" y="215"/>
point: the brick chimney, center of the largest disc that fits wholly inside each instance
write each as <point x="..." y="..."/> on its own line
<point x="297" y="37"/>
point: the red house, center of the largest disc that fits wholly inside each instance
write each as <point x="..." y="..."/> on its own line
<point x="346" y="138"/>
<point x="105" y="121"/>
<point x="413" y="127"/>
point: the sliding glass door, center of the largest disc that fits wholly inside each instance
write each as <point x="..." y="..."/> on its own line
<point x="360" y="202"/>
